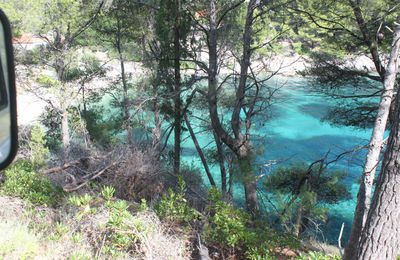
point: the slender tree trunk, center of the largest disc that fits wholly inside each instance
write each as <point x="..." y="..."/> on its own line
<point x="199" y="150"/>
<point x="126" y="101"/>
<point x="249" y="183"/>
<point x="230" y="190"/>
<point x="156" y="133"/>
<point x="84" y="103"/>
<point x="298" y="223"/>
<point x="212" y="79"/>
<point x="380" y="238"/>
<point x="66" y="139"/>
<point x="221" y="161"/>
<point x="372" y="160"/>
<point x="368" y="40"/>
<point x="250" y="180"/>
<point x="237" y="144"/>
<point x="65" y="133"/>
<point x="177" y="96"/>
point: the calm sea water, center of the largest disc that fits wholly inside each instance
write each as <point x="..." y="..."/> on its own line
<point x="293" y="131"/>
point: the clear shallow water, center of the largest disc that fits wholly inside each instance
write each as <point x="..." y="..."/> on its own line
<point x="292" y="132"/>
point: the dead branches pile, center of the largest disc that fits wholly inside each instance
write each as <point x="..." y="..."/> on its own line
<point x="135" y="174"/>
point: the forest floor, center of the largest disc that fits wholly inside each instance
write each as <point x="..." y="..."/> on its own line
<point x="39" y="232"/>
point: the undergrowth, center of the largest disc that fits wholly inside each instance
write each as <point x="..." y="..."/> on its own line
<point x="21" y="180"/>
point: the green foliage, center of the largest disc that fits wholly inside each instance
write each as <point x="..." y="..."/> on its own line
<point x="108" y="192"/>
<point x="47" y="81"/>
<point x="28" y="57"/>
<point x="328" y="186"/>
<point x="317" y="256"/>
<point x="22" y="181"/>
<point x="24" y="15"/>
<point x="119" y="223"/>
<point x="230" y="228"/>
<point x="59" y="231"/>
<point x="51" y="119"/>
<point x="80" y="201"/>
<point x="227" y="224"/>
<point x="39" y="152"/>
<point x="259" y="253"/>
<point x="143" y="205"/>
<point x="101" y="129"/>
<point x="121" y="226"/>
<point x="83" y="66"/>
<point x="174" y="206"/>
<point x="303" y="193"/>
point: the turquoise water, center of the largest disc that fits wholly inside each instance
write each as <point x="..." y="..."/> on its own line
<point x="290" y="131"/>
<point x="293" y="131"/>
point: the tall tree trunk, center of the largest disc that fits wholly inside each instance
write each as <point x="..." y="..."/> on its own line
<point x="126" y="99"/>
<point x="368" y="40"/>
<point x="372" y="160"/>
<point x="212" y="77"/>
<point x="199" y="150"/>
<point x="380" y="238"/>
<point x="249" y="183"/>
<point x="237" y="144"/>
<point x="156" y="133"/>
<point x="221" y="161"/>
<point x="250" y="180"/>
<point x="177" y="95"/>
<point x="65" y="135"/>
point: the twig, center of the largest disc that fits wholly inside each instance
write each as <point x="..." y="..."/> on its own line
<point x="98" y="254"/>
<point x="73" y="163"/>
<point x="67" y="189"/>
<point x="340" y="240"/>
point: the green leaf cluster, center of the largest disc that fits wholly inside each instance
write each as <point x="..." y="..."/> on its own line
<point x="21" y="180"/>
<point x="173" y="205"/>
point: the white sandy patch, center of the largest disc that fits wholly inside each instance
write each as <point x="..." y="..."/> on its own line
<point x="29" y="108"/>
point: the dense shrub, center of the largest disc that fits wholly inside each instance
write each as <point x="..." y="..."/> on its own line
<point x="232" y="230"/>
<point x="39" y="153"/>
<point x="227" y="225"/>
<point x="121" y="228"/>
<point x="174" y="206"/>
<point x="22" y="181"/>
<point x="317" y="256"/>
<point x="310" y="189"/>
<point x="27" y="57"/>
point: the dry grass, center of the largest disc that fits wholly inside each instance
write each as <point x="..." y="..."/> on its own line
<point x="42" y="233"/>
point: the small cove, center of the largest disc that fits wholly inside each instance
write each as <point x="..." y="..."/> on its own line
<point x="291" y="131"/>
<point x="294" y="132"/>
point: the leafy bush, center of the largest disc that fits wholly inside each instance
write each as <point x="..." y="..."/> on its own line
<point x="27" y="57"/>
<point x="227" y="224"/>
<point x="317" y="256"/>
<point x="51" y="119"/>
<point x="101" y="129"/>
<point x="310" y="189"/>
<point x="22" y="181"/>
<point x="231" y="229"/>
<point x="121" y="227"/>
<point x="39" y="151"/>
<point x="173" y="205"/>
